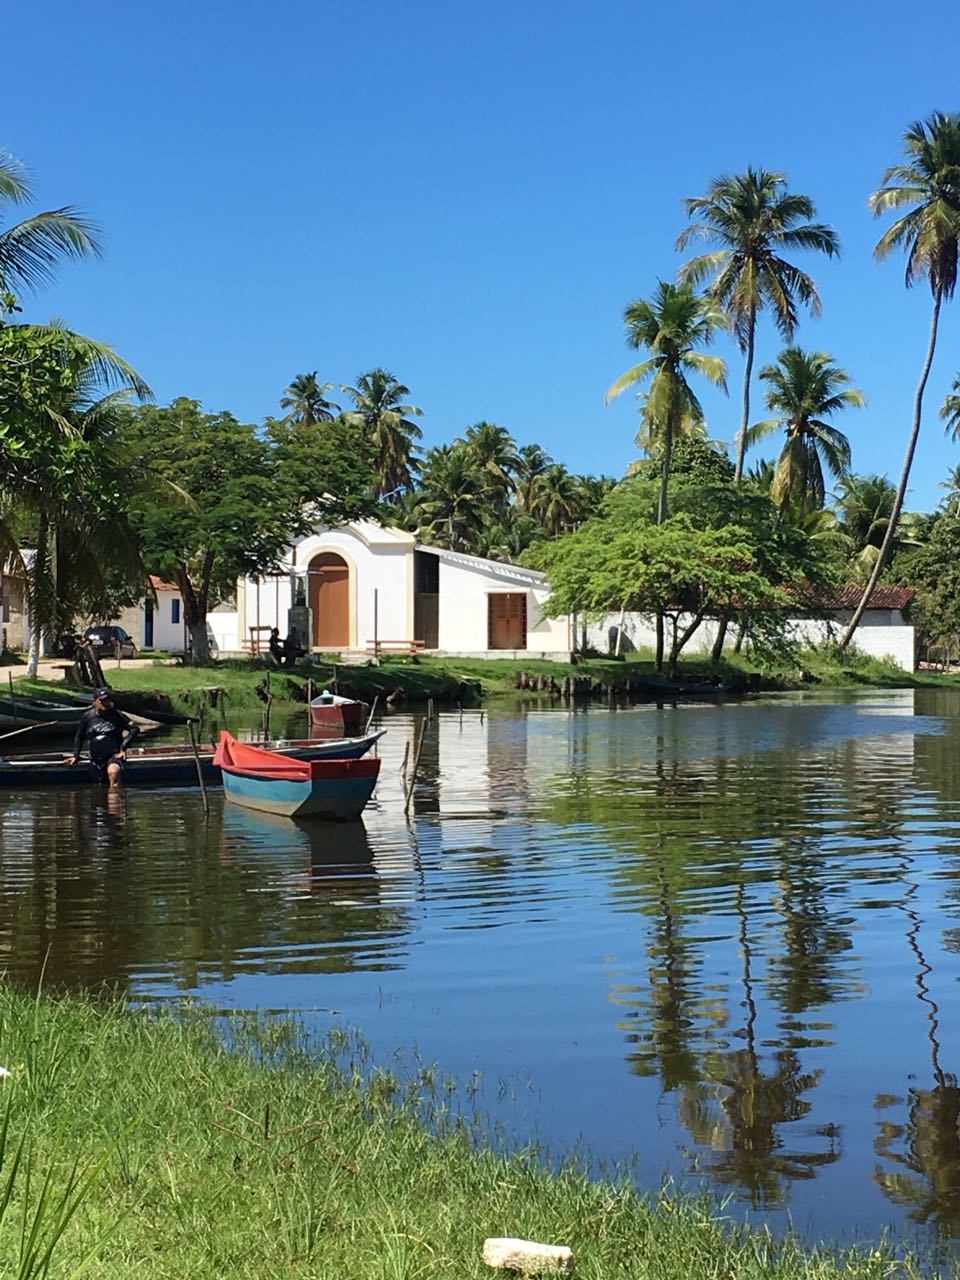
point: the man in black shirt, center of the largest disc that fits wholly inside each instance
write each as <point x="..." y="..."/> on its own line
<point x="109" y="733"/>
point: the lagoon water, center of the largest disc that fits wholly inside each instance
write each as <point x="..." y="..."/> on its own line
<point x="718" y="943"/>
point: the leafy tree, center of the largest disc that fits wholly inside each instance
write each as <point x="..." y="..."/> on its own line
<point x="381" y="411"/>
<point x="752" y="218"/>
<point x="245" y="495"/>
<point x="61" y="395"/>
<point x="558" y="500"/>
<point x="864" y="504"/>
<point x="31" y="249"/>
<point x="933" y="567"/>
<point x="927" y="185"/>
<point x="805" y="388"/>
<point x="671" y="569"/>
<point x="305" y="398"/>
<point x="671" y="326"/>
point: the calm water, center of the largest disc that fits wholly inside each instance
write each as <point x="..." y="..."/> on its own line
<point x="721" y="942"/>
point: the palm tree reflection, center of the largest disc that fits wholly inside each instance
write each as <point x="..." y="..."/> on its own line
<point x="735" y="1113"/>
<point x="925" y="1150"/>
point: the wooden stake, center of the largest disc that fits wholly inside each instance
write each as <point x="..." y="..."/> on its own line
<point x="416" y="765"/>
<point x="223" y="709"/>
<point x="13" y="701"/>
<point x="196" y="756"/>
<point x="370" y="716"/>
<point x="403" y="767"/>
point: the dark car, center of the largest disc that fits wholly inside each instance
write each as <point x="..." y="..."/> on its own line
<point x="110" y="642"/>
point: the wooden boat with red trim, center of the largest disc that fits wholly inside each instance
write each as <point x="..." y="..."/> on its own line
<point x="277" y="783"/>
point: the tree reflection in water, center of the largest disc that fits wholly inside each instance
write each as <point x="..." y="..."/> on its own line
<point x="925" y="1150"/>
<point x="735" y="1113"/>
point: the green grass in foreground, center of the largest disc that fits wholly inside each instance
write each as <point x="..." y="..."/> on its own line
<point x="266" y="1162"/>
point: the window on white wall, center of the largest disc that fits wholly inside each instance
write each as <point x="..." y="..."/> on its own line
<point x="175" y="609"/>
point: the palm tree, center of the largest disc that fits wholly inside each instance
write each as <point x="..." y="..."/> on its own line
<point x="532" y="461"/>
<point x="751" y="217"/>
<point x="380" y="409"/>
<point x="306" y="401"/>
<point x="864" y="504"/>
<point x="557" y="500"/>
<point x="804" y="388"/>
<point x="927" y="184"/>
<point x="449" y="509"/>
<point x="30" y="250"/>
<point x="494" y="452"/>
<point x="671" y="326"/>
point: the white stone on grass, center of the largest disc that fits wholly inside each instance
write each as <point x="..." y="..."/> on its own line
<point x="526" y="1256"/>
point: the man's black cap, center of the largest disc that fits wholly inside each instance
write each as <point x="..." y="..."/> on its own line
<point x="103" y="692"/>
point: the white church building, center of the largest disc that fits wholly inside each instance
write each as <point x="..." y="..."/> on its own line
<point x="364" y="587"/>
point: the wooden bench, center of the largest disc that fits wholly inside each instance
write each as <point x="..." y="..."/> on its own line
<point x="255" y="643"/>
<point x="376" y="647"/>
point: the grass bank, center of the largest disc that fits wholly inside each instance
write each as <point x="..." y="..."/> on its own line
<point x="467" y="681"/>
<point x="267" y="1162"/>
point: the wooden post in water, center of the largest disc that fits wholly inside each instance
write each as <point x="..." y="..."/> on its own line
<point x="429" y="708"/>
<point x="403" y="767"/>
<point x="196" y="756"/>
<point x="412" y="781"/>
<point x="370" y="716"/>
<point x="13" y="701"/>
<point x="223" y="709"/>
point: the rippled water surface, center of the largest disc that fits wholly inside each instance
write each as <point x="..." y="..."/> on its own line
<point x="719" y="941"/>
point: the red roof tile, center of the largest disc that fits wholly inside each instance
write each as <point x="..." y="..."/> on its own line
<point x="881" y="598"/>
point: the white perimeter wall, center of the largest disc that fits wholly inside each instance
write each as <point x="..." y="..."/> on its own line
<point x="882" y="634"/>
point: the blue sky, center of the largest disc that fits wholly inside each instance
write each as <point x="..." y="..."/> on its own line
<point x="468" y="194"/>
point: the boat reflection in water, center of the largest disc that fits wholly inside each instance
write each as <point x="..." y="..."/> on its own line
<point x="328" y="854"/>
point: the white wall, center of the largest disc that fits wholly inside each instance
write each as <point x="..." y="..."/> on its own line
<point x="168" y="634"/>
<point x="223" y="625"/>
<point x="885" y="636"/>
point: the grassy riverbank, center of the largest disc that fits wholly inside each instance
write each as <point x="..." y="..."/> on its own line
<point x="268" y="1162"/>
<point x="469" y="681"/>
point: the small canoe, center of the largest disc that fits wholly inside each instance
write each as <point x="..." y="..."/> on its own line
<point x="277" y="783"/>
<point x="47" y="715"/>
<point x="333" y="714"/>
<point x="170" y="763"/>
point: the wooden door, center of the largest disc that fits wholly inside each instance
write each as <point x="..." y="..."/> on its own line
<point x="507" y="620"/>
<point x="329" y="583"/>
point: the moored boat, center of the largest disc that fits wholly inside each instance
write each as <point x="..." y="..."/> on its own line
<point x="665" y="687"/>
<point x="331" y="713"/>
<point x="278" y="783"/>
<point x="168" y="763"/>
<point x="42" y="715"/>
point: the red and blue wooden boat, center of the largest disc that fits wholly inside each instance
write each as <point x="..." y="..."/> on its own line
<point x="276" y="783"/>
<point x="330" y="713"/>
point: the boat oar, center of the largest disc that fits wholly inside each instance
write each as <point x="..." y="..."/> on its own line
<point x="196" y="756"/>
<point x="43" y="724"/>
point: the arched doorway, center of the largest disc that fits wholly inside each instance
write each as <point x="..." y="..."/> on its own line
<point x="328" y="579"/>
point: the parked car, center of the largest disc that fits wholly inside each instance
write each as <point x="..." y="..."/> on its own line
<point x="110" y="642"/>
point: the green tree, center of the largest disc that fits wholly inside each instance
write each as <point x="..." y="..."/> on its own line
<point x="532" y="461"/>
<point x="805" y="388"/>
<point x="558" y="500"/>
<point x="449" y="507"/>
<point x="493" y="452"/>
<point x="61" y="396"/>
<point x="246" y="495"/>
<point x="306" y="402"/>
<point x="864" y="504"/>
<point x="381" y="410"/>
<point x="671" y="326"/>
<point x="751" y="218"/>
<point x="927" y="185"/>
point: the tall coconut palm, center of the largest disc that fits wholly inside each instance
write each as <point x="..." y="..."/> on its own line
<point x="381" y="410"/>
<point x="927" y="185"/>
<point x="532" y="461"/>
<point x="864" y="504"/>
<point x="31" y="250"/>
<point x="670" y="326"/>
<point x="449" y="509"/>
<point x="306" y="402"/>
<point x="494" y="452"/>
<point x="557" y="500"/>
<point x="751" y="218"/>
<point x="804" y="389"/>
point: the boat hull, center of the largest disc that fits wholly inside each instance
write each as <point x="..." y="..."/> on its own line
<point x="344" y="716"/>
<point x="340" y="798"/>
